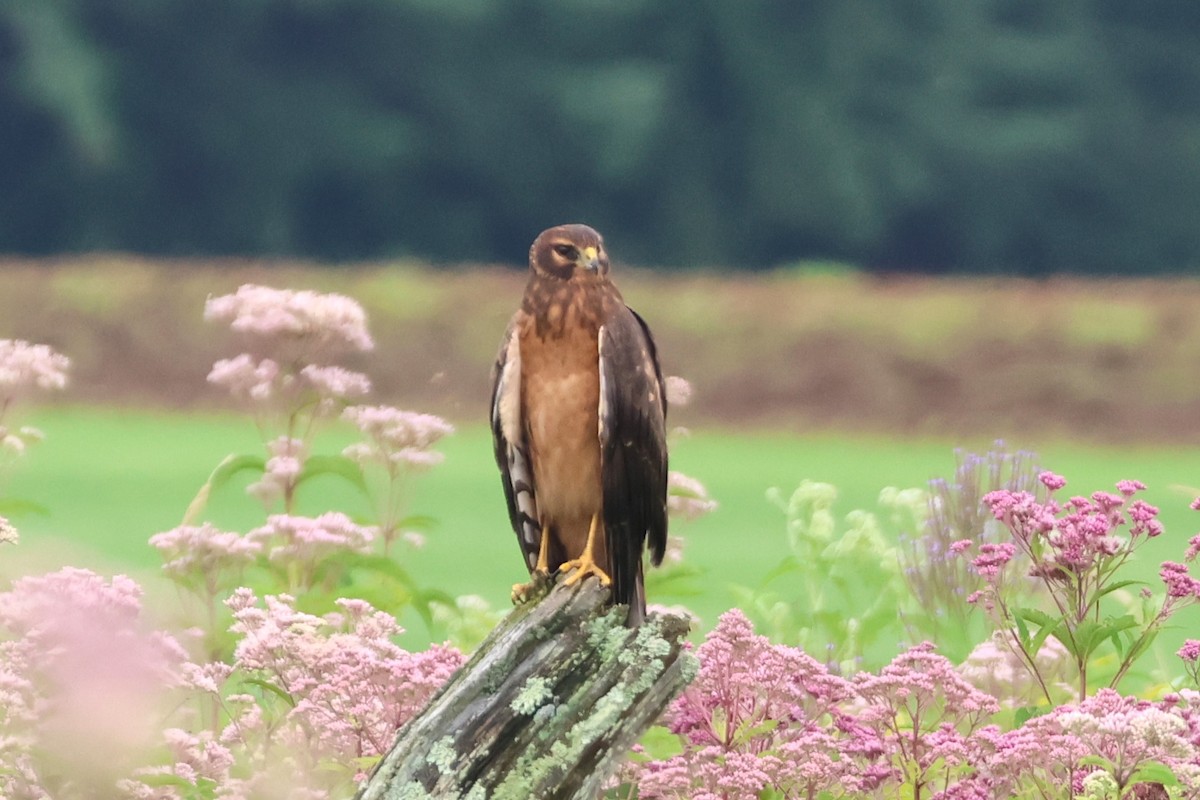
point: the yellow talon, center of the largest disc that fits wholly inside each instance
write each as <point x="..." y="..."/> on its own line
<point x="586" y="563"/>
<point x="524" y="592"/>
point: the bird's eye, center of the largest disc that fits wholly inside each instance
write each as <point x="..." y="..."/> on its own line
<point x="565" y="250"/>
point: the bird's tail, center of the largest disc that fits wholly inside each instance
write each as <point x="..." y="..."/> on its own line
<point x="637" y="600"/>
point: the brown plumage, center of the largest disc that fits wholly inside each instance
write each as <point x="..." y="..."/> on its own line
<point x="579" y="421"/>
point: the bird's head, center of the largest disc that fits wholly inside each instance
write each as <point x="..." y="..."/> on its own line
<point x="569" y="252"/>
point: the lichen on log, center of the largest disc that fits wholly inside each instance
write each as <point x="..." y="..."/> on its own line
<point x="546" y="707"/>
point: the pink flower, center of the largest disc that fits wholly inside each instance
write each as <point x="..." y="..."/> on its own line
<point x="350" y="685"/>
<point x="281" y="472"/>
<point x="203" y="553"/>
<point x="961" y="546"/>
<point x="307" y="540"/>
<point x="687" y="498"/>
<point x="1052" y="481"/>
<point x="992" y="558"/>
<point x="335" y="383"/>
<point x="319" y="322"/>
<point x="83" y="680"/>
<point x="750" y="699"/>
<point x="1179" y="583"/>
<point x="1144" y="519"/>
<point x="679" y="391"/>
<point x="25" y="366"/>
<point x="1193" y="549"/>
<point x="1190" y="650"/>
<point x="1128" y="487"/>
<point x="398" y="429"/>
<point x="247" y="378"/>
<point x="394" y="438"/>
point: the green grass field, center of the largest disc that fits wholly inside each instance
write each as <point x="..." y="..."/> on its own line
<point x="111" y="479"/>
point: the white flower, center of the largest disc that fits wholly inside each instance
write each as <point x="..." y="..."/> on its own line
<point x="8" y="532"/>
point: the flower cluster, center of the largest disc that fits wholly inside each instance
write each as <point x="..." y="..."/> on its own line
<point x="265" y="382"/>
<point x="281" y="472"/>
<point x="1107" y="740"/>
<point x="764" y="720"/>
<point x="394" y="438"/>
<point x="679" y="391"/>
<point x="204" y="556"/>
<point x="8" y="532"/>
<point x="83" y="682"/>
<point x="756" y="716"/>
<point x="1079" y="533"/>
<point x="994" y="668"/>
<point x="687" y="498"/>
<point x="349" y="685"/>
<point x="1074" y="549"/>
<point x="285" y="375"/>
<point x="317" y="322"/>
<point x="301" y="546"/>
<point x="1189" y="654"/>
<point x="25" y="366"/>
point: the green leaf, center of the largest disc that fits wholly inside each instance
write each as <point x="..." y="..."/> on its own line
<point x="1118" y="585"/>
<point x="1154" y="772"/>
<point x="1142" y="645"/>
<point x="1098" y="761"/>
<point x="1026" y="713"/>
<point x="379" y="565"/>
<point x="660" y="744"/>
<point x="271" y="688"/>
<point x="424" y="600"/>
<point x="231" y="465"/>
<point x="1022" y="630"/>
<point x="418" y="522"/>
<point x="13" y="508"/>
<point x="789" y="565"/>
<point x="746" y="733"/>
<point x="1036" y="616"/>
<point x="341" y="466"/>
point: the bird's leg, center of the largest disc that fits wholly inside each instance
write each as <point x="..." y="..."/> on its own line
<point x="586" y="563"/>
<point x="543" y="562"/>
<point x="524" y="592"/>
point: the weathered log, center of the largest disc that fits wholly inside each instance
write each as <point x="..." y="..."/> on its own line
<point x="546" y="707"/>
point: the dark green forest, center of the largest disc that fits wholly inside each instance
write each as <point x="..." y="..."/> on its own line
<point x="1019" y="136"/>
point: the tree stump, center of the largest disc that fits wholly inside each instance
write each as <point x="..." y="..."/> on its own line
<point x="545" y="708"/>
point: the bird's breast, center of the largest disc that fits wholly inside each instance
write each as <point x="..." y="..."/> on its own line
<point x="560" y="387"/>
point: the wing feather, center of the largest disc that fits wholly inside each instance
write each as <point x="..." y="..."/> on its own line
<point x="633" y="442"/>
<point x="512" y="455"/>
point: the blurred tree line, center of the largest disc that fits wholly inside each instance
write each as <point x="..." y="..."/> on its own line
<point x="1014" y="135"/>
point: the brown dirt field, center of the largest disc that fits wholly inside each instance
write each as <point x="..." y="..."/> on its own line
<point x="1096" y="360"/>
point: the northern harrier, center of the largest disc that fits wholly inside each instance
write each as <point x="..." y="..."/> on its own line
<point x="579" y="422"/>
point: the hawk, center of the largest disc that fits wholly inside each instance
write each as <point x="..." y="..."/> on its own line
<point x="579" y="423"/>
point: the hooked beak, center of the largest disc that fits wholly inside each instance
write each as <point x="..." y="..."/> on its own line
<point x="591" y="259"/>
